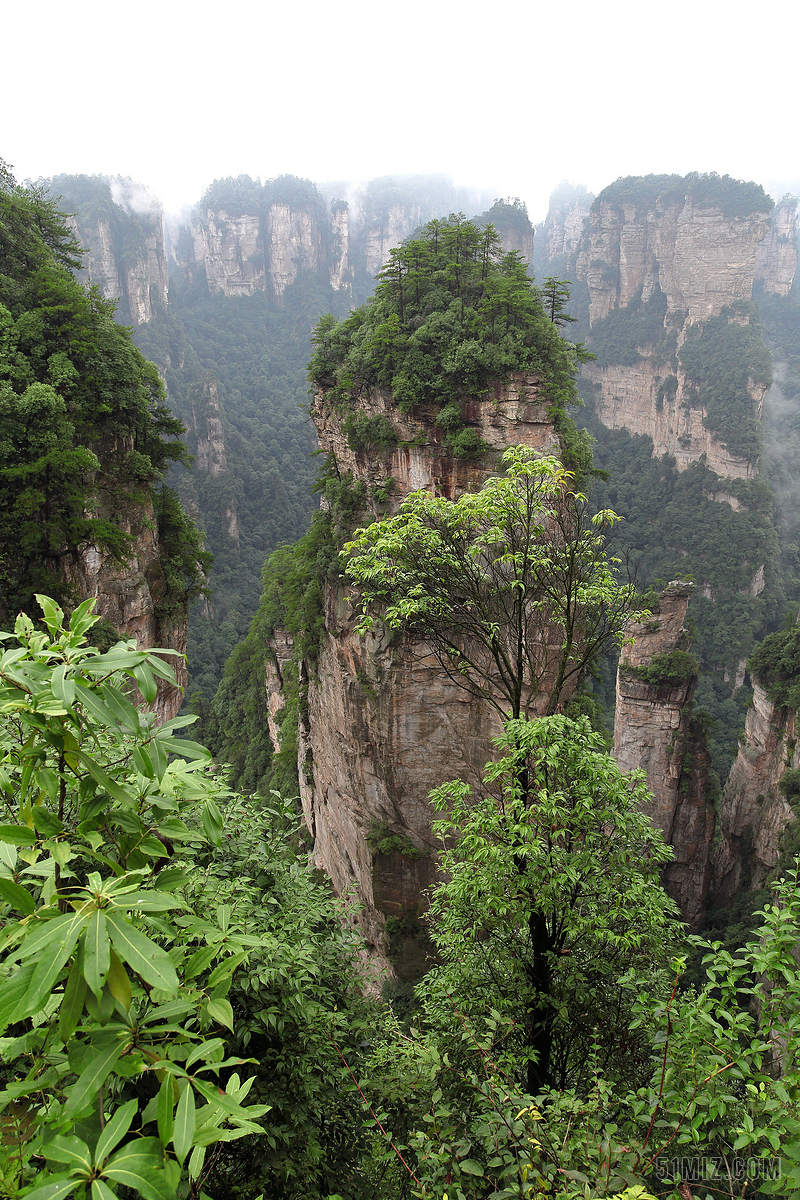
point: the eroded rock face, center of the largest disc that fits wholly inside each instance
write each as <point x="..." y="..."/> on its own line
<point x="561" y="233"/>
<point x="753" y="813"/>
<point x="383" y="727"/>
<point x="513" y="413"/>
<point x="652" y="731"/>
<point x="702" y="261"/>
<point x="627" y="397"/>
<point x="137" y="278"/>
<point x="128" y="596"/>
<point x="776" y="261"/>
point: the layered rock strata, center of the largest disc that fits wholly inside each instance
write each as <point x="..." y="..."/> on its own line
<point x="754" y="814"/>
<point x="701" y="260"/>
<point x="132" y="269"/>
<point x="653" y="731"/>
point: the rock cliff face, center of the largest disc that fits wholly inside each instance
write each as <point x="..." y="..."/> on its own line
<point x="125" y="258"/>
<point x="632" y="398"/>
<point x="776" y="262"/>
<point x="512" y="413"/>
<point x="382" y="725"/>
<point x="653" y="731"/>
<point x="561" y="234"/>
<point x="753" y="813"/>
<point x="699" y="257"/>
<point x="129" y="597"/>
<point x="700" y="260"/>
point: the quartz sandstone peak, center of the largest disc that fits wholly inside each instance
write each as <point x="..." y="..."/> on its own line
<point x="653" y="730"/>
<point x="383" y="725"/>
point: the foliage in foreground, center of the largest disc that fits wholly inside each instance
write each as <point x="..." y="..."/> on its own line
<point x="140" y="968"/>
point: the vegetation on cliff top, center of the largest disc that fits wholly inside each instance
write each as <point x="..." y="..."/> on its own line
<point x="735" y="197"/>
<point x="86" y="431"/>
<point x="776" y="665"/>
<point x="451" y="314"/>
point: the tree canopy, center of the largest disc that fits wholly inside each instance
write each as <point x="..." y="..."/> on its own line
<point x="510" y="586"/>
<point x="451" y="313"/>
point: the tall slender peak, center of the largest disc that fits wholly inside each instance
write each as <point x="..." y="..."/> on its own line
<point x="776" y="261"/>
<point x="121" y="228"/>
<point x="655" y="731"/>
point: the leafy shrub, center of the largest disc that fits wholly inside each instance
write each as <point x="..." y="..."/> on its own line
<point x="667" y="670"/>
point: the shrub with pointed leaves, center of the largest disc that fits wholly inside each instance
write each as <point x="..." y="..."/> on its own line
<point x="110" y="1027"/>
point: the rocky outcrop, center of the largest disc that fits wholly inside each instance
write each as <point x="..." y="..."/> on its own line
<point x="384" y="230"/>
<point x="206" y="440"/>
<point x="753" y="813"/>
<point x="560" y="236"/>
<point x="700" y="258"/>
<point x="231" y="251"/>
<point x="512" y="413"/>
<point x="130" y="597"/>
<point x="381" y="723"/>
<point x="637" y="398"/>
<point x="776" y="261"/>
<point x="653" y="730"/>
<point x="694" y="260"/>
<point x="125" y="258"/>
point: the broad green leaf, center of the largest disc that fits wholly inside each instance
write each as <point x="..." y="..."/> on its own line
<point x="63" y="688"/>
<point x="55" y="1188"/>
<point x="145" y="682"/>
<point x="152" y="901"/>
<point x="101" y="1191"/>
<point x="166" y="1105"/>
<point x="196" y="1162"/>
<point x="470" y="1167"/>
<point x="46" y="972"/>
<point x="118" y="983"/>
<point x="18" y="897"/>
<point x="204" y="1050"/>
<point x="115" y="1130"/>
<point x="226" y="969"/>
<point x="200" y="960"/>
<point x="45" y="822"/>
<point x="137" y="1166"/>
<point x="64" y="927"/>
<point x="115" y="790"/>
<point x="13" y="991"/>
<point x="222" y="1100"/>
<point x="212" y="822"/>
<point x="183" y="1130"/>
<point x="221" y="1011"/>
<point x="69" y="1014"/>
<point x="69" y="1150"/>
<point x="187" y="749"/>
<point x="17" y="835"/>
<point x="93" y="1074"/>
<point x="96" y="952"/>
<point x="143" y="956"/>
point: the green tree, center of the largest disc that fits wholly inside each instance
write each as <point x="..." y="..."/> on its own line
<point x="552" y="912"/>
<point x="555" y="297"/>
<point x="511" y="586"/>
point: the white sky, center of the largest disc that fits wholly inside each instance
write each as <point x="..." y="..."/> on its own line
<point x="513" y="97"/>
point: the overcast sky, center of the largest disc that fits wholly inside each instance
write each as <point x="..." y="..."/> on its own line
<point x="512" y="97"/>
